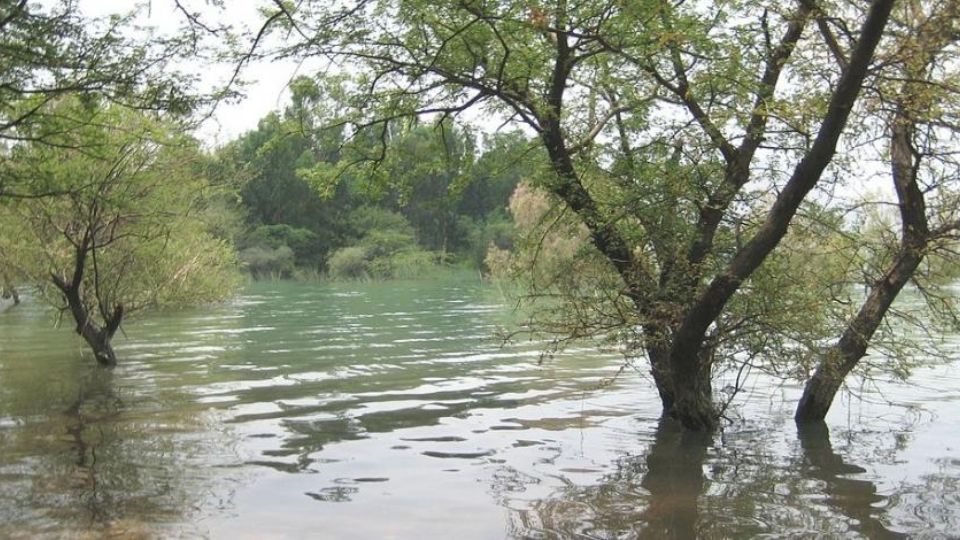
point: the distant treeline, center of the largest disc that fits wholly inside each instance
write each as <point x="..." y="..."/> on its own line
<point x="316" y="201"/>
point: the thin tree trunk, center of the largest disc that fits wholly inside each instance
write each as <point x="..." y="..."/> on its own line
<point x="99" y="339"/>
<point x="842" y="357"/>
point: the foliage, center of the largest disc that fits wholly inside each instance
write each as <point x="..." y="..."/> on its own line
<point x="268" y="262"/>
<point x="49" y="50"/>
<point x="300" y="187"/>
<point x="386" y="248"/>
<point x="666" y="127"/>
<point x="125" y="233"/>
<point x="348" y="263"/>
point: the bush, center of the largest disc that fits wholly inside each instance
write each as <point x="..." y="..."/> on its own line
<point x="384" y="243"/>
<point x="387" y="249"/>
<point x="348" y="263"/>
<point x="304" y="244"/>
<point x="412" y="264"/>
<point x="368" y="218"/>
<point x="266" y="262"/>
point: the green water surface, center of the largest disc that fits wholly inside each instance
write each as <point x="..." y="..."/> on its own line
<point x="391" y="410"/>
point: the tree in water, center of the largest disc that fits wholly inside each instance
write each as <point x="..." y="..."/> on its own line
<point x="125" y="230"/>
<point x="671" y="139"/>
<point x="917" y="102"/>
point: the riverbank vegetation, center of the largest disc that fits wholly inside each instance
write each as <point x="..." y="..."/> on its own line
<point x="438" y="197"/>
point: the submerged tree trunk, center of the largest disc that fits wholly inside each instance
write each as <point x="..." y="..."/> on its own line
<point x="915" y="235"/>
<point x="693" y="389"/>
<point x="97" y="337"/>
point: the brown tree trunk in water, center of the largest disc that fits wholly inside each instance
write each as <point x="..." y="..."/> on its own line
<point x="819" y="392"/>
<point x="842" y="357"/>
<point x="96" y="337"/>
<point x="690" y="370"/>
<point x="99" y="339"/>
<point x="693" y="391"/>
<point x="682" y="373"/>
<point x="659" y="355"/>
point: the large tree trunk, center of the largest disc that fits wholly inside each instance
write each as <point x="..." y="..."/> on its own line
<point x="100" y="343"/>
<point x="693" y="405"/>
<point x="99" y="339"/>
<point x="10" y="292"/>
<point x="658" y="352"/>
<point x="818" y="394"/>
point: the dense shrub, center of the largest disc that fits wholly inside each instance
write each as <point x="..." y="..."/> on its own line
<point x="348" y="263"/>
<point x="266" y="262"/>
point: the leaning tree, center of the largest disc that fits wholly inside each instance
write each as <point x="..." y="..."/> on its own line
<point x="909" y="121"/>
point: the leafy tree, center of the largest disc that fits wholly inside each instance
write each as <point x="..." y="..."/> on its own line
<point x="50" y="51"/>
<point x="672" y="139"/>
<point x="265" y="164"/>
<point x="421" y="176"/>
<point x="125" y="234"/>
<point x="914" y="104"/>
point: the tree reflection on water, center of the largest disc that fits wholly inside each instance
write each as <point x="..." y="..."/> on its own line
<point x="690" y="485"/>
<point x="853" y="497"/>
<point x="91" y="456"/>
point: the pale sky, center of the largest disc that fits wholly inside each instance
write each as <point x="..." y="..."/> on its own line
<point x="268" y="81"/>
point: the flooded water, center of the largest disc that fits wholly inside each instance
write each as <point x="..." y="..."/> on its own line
<point x="391" y="411"/>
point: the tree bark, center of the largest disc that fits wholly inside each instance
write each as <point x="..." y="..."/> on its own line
<point x="840" y="359"/>
<point x="687" y="362"/>
<point x="98" y="338"/>
<point x="693" y="392"/>
<point x="659" y="356"/>
<point x="9" y="291"/>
